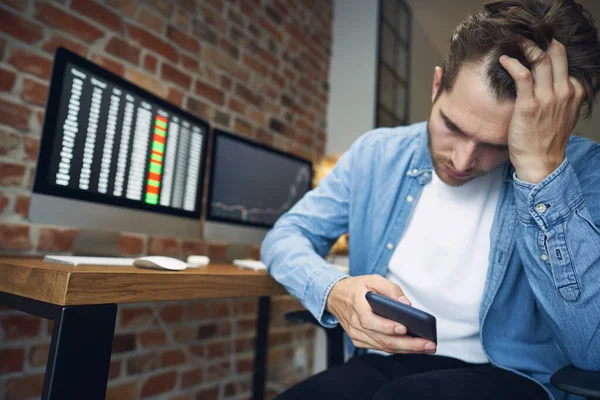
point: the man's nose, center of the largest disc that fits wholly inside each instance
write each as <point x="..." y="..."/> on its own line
<point x="465" y="156"/>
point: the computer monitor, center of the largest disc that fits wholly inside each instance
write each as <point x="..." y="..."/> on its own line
<point x="114" y="157"/>
<point x="250" y="187"/>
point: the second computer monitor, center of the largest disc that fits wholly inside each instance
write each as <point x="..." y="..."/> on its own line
<point x="251" y="186"/>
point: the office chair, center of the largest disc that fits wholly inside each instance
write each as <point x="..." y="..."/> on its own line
<point x="568" y="379"/>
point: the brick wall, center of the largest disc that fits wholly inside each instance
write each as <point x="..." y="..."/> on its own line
<point x="256" y="67"/>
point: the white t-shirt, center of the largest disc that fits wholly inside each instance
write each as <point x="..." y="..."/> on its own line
<point x="441" y="262"/>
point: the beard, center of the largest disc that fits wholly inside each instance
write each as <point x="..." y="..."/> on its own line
<point x="439" y="161"/>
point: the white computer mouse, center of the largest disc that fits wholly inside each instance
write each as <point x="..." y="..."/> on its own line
<point x="160" y="262"/>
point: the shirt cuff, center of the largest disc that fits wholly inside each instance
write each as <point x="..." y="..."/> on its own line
<point x="317" y="290"/>
<point x="552" y="200"/>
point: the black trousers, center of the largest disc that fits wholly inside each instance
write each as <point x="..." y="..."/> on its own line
<point x="414" y="376"/>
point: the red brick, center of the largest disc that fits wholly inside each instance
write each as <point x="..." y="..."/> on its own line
<point x="229" y="48"/>
<point x="114" y="371"/>
<point x="237" y="106"/>
<point x="253" y="64"/>
<point x="143" y="363"/>
<point x="159" y="384"/>
<point x="172" y="313"/>
<point x="164" y="7"/>
<point x="190" y="63"/>
<point x="213" y="19"/>
<point x="151" y="20"/>
<point x="197" y="350"/>
<point x="246" y="326"/>
<point x="58" y="40"/>
<point x="14" y="237"/>
<point x="7" y="80"/>
<point x="16" y="4"/>
<point x="150" y="62"/>
<point x="189" y="248"/>
<point x="207" y="331"/>
<point x="153" y="338"/>
<point x="218" y="372"/>
<point x="38" y="355"/>
<point x="257" y="116"/>
<point x="164" y="247"/>
<point x="208" y="394"/>
<point x="218" y="349"/>
<point x="191" y="378"/>
<point x="126" y="391"/>
<point x="123" y="343"/>
<point x="23" y="387"/>
<point x="269" y="27"/>
<point x="11" y="174"/>
<point x="98" y="13"/>
<point x="131" y="245"/>
<point x="216" y="251"/>
<point x="20" y="326"/>
<point x="184" y="334"/>
<point x="222" y="118"/>
<point x="26" y="61"/>
<point x="2" y="47"/>
<point x="197" y="311"/>
<point x="35" y="93"/>
<point x="184" y="40"/>
<point x="66" y="22"/>
<point x="22" y="29"/>
<point x="136" y="317"/>
<point x="126" y="7"/>
<point x="242" y="127"/>
<point x="152" y="42"/>
<point x="148" y="82"/>
<point x="52" y="239"/>
<point x="22" y="206"/>
<point x="176" y="97"/>
<point x="172" y="74"/>
<point x="265" y="138"/>
<point x="199" y="108"/>
<point x="244" y="344"/>
<point x="123" y="50"/>
<point x="11" y="360"/>
<point x="226" y="83"/>
<point x="248" y="95"/>
<point x="3" y="202"/>
<point x="113" y="66"/>
<point x="172" y="357"/>
<point x="209" y="92"/>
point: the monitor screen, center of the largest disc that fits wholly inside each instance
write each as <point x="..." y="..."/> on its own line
<point x="106" y="140"/>
<point x="251" y="184"/>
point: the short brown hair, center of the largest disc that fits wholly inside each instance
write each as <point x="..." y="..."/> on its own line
<point x="499" y="28"/>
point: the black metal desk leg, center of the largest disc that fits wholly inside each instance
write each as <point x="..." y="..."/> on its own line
<point x="80" y="352"/>
<point x="262" y="341"/>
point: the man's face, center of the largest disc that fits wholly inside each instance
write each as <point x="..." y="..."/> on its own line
<point x="468" y="128"/>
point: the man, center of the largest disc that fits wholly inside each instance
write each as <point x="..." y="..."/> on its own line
<point x="487" y="216"/>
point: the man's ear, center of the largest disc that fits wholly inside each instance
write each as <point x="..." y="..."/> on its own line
<point x="437" y="82"/>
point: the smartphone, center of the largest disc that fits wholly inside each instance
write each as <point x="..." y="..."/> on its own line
<point x="418" y="323"/>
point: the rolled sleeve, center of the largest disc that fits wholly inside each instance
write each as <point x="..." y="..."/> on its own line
<point x="552" y="200"/>
<point x="317" y="290"/>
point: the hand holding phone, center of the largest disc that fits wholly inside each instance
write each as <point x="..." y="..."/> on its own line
<point x="418" y="323"/>
<point x="346" y="301"/>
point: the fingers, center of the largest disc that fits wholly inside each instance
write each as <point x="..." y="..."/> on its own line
<point x="390" y="289"/>
<point x="522" y="77"/>
<point x="396" y="344"/>
<point x="560" y="67"/>
<point x="542" y="69"/>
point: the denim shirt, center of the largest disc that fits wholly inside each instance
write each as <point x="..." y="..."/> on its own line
<point x="540" y="309"/>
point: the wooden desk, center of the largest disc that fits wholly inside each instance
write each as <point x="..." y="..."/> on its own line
<point x="82" y="302"/>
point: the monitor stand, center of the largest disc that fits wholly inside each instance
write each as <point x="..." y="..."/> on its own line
<point x="91" y="242"/>
<point x="237" y="251"/>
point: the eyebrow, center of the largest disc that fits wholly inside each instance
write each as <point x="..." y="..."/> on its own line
<point x="452" y="126"/>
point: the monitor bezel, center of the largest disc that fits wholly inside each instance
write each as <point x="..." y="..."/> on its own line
<point x="41" y="182"/>
<point x="213" y="151"/>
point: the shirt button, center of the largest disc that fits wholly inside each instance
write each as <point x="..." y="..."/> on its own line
<point x="415" y="171"/>
<point x="543" y="257"/>
<point x="426" y="174"/>
<point x="409" y="198"/>
<point x="389" y="246"/>
<point x="540" y="208"/>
